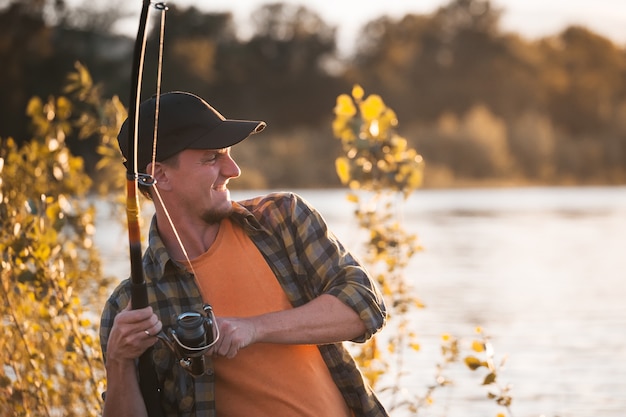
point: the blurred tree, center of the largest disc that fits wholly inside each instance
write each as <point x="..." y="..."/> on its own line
<point x="533" y="142"/>
<point x="285" y="73"/>
<point x="585" y="79"/>
<point x="40" y="41"/>
<point x="25" y="45"/>
<point x="455" y="59"/>
<point x="585" y="75"/>
<point x="446" y="62"/>
<point x="475" y="145"/>
<point x="262" y="76"/>
<point x="97" y="17"/>
<point x="192" y="41"/>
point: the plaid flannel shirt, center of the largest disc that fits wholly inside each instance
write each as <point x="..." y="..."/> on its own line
<point x="307" y="260"/>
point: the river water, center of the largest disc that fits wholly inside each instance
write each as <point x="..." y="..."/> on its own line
<point x="541" y="270"/>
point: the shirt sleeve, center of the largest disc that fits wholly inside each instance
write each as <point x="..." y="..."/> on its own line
<point x="116" y="302"/>
<point x="331" y="269"/>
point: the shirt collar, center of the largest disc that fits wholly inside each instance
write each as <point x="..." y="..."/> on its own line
<point x="157" y="258"/>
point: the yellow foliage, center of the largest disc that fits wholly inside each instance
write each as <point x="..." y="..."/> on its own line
<point x="380" y="162"/>
<point x="63" y="108"/>
<point x="372" y="108"/>
<point x="378" y="158"/>
<point x="343" y="169"/>
<point x="490" y="378"/>
<point x="345" y="106"/>
<point x="48" y="266"/>
<point x="358" y="92"/>
<point x="353" y="198"/>
<point x="478" y="346"/>
<point x="473" y="363"/>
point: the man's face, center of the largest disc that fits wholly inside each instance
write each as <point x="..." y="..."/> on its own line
<point x="199" y="183"/>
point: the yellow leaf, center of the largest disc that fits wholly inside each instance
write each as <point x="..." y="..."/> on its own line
<point x="489" y="379"/>
<point x="347" y="135"/>
<point x="415" y="179"/>
<point x="473" y="363"/>
<point x="418" y="303"/>
<point x="389" y="118"/>
<point x="85" y="76"/>
<point x="357" y="92"/>
<point x="64" y="108"/>
<point x="353" y="198"/>
<point x="478" y="346"/>
<point x="339" y="126"/>
<point x="34" y="107"/>
<point x="342" y="167"/>
<point x="372" y="107"/>
<point x="345" y="106"/>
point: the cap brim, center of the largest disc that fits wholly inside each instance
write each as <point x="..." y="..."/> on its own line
<point x="228" y="133"/>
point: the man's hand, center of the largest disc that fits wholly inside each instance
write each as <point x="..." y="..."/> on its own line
<point x="235" y="334"/>
<point x="132" y="333"/>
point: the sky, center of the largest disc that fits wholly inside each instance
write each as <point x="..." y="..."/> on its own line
<point x="530" y="18"/>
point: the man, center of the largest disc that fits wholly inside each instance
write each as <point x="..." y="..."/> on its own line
<point x="284" y="290"/>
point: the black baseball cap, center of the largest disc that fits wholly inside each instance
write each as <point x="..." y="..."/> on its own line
<point x="185" y="121"/>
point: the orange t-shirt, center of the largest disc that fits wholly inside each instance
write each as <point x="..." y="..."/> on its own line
<point x="263" y="379"/>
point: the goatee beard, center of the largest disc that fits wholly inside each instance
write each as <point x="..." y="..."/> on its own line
<point x="215" y="216"/>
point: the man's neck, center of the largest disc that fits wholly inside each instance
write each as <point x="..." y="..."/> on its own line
<point x="195" y="237"/>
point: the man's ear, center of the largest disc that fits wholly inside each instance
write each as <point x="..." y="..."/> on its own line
<point x="160" y="175"/>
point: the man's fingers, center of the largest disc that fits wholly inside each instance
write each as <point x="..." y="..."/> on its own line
<point x="133" y="332"/>
<point x="154" y="329"/>
<point x="235" y="334"/>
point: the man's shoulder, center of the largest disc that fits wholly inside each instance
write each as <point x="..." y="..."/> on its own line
<point x="272" y="210"/>
<point x="274" y="202"/>
<point x="120" y="295"/>
<point x="117" y="301"/>
<point x="269" y="198"/>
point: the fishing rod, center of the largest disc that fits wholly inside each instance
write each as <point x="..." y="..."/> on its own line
<point x="194" y="332"/>
<point x="148" y="382"/>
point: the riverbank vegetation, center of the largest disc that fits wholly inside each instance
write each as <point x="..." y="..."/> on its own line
<point x="382" y="171"/>
<point x="50" y="273"/>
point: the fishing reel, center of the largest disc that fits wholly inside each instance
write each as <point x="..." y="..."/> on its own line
<point x="191" y="337"/>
